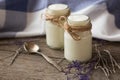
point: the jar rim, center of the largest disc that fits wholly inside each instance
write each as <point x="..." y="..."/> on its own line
<point x="57" y="7"/>
<point x="78" y="18"/>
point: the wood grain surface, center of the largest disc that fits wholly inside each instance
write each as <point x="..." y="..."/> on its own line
<point x="34" y="67"/>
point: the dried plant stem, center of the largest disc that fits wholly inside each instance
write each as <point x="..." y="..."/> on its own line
<point x="105" y="72"/>
<point x="106" y="68"/>
<point x="102" y="66"/>
<point x="6" y="57"/>
<point x="15" y="56"/>
<point x="114" y="63"/>
<point x="111" y="59"/>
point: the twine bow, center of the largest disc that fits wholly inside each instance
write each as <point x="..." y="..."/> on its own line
<point x="59" y="20"/>
<point x="74" y="31"/>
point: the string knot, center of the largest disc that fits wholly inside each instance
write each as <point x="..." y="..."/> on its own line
<point x="58" y="20"/>
<point x="74" y="30"/>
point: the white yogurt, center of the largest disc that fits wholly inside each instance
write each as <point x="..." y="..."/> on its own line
<point x="78" y="50"/>
<point x="54" y="33"/>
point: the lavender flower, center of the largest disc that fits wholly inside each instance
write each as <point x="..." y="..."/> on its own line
<point x="84" y="77"/>
<point x="75" y="64"/>
<point x="79" y="71"/>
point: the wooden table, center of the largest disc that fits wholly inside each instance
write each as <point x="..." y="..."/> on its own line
<point x="34" y="67"/>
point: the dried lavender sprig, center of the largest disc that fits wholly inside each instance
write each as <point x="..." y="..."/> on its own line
<point x="104" y="67"/>
<point x="111" y="59"/>
<point x="105" y="73"/>
<point x="15" y="56"/>
<point x="6" y="57"/>
<point x="97" y="63"/>
<point x="83" y="70"/>
<point x="107" y="65"/>
<point x="115" y="62"/>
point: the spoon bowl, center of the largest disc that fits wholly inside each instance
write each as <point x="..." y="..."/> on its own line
<point x="31" y="47"/>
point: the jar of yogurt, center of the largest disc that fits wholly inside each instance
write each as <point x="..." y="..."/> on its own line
<point x="78" y="38"/>
<point x="54" y="21"/>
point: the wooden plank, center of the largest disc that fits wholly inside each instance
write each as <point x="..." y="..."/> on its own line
<point x="34" y="67"/>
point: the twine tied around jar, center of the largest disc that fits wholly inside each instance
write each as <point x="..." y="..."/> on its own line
<point x="74" y="30"/>
<point x="58" y="20"/>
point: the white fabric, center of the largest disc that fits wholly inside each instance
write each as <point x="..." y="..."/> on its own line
<point x="2" y="17"/>
<point x="34" y="25"/>
<point x="103" y="25"/>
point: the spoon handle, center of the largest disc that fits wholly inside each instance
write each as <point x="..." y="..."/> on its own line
<point x="50" y="61"/>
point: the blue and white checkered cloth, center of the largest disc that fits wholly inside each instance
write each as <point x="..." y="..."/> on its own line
<point x="22" y="18"/>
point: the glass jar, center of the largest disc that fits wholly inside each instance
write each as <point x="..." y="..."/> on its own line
<point x="78" y="41"/>
<point x="54" y="30"/>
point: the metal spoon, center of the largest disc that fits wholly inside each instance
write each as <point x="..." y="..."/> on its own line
<point x="34" y="48"/>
